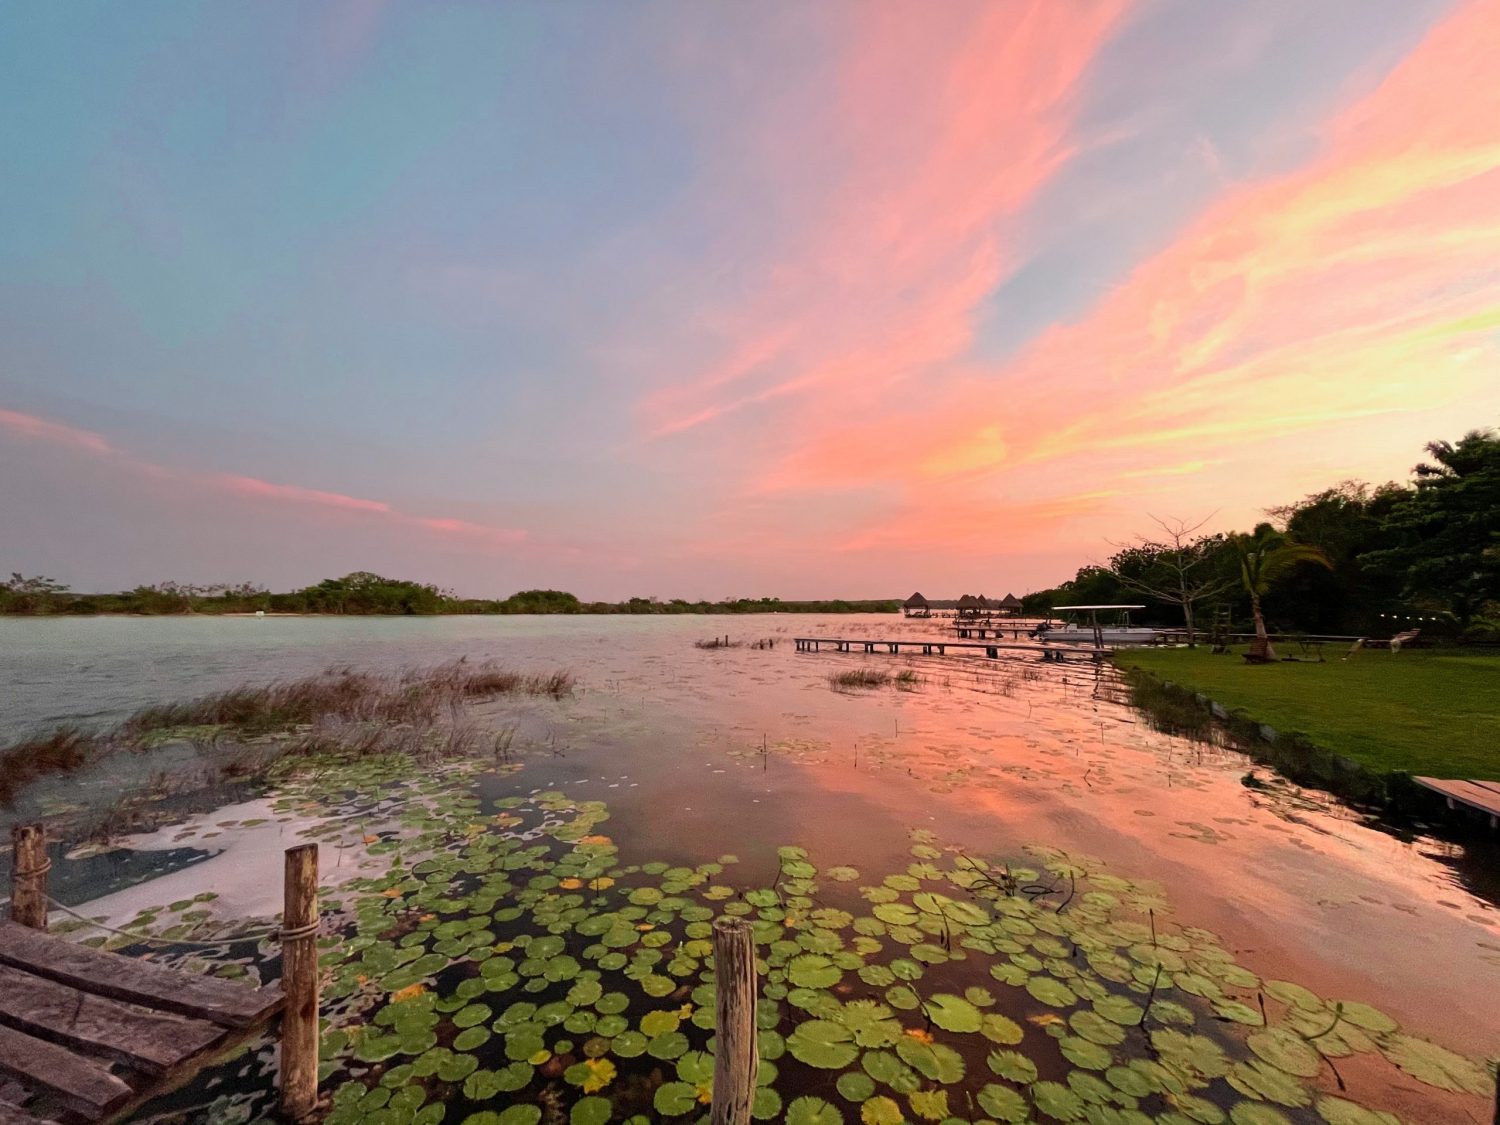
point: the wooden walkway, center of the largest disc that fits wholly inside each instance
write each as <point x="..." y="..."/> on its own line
<point x="99" y="1034"/>
<point x="1481" y="795"/>
<point x="929" y="647"/>
<point x="89" y="1037"/>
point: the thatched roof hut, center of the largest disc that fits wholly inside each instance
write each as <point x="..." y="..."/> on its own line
<point x="1010" y="604"/>
<point x="969" y="605"/>
<point x="916" y="601"/>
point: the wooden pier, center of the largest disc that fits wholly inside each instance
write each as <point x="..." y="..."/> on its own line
<point x="929" y="647"/>
<point x="980" y="630"/>
<point x="1481" y="795"/>
<point x="89" y="1036"/>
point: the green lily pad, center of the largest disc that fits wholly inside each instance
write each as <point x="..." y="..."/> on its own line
<point x="809" y="1110"/>
<point x="881" y="1110"/>
<point x="1051" y="992"/>
<point x="1012" y="1066"/>
<point x="1436" y="1066"/>
<point x="936" y="1062"/>
<point x="930" y="1105"/>
<point x="813" y="970"/>
<point x="1337" y="1111"/>
<point x="592" y="1110"/>
<point x="822" y="1043"/>
<point x="871" y="1023"/>
<point x="1000" y="1029"/>
<point x="672" y="1099"/>
<point x="952" y="1013"/>
<point x="1002" y="1103"/>
<point x="1080" y="1052"/>
<point x="1285" y="1050"/>
<point x="855" y="1086"/>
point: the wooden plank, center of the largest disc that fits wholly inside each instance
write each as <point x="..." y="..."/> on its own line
<point x="1470" y="793"/>
<point x="149" y="1041"/>
<point x="139" y="982"/>
<point x="80" y="1084"/>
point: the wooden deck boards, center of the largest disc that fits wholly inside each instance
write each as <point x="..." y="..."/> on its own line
<point x="1481" y="795"/>
<point x="100" y="1034"/>
<point x="138" y="982"/>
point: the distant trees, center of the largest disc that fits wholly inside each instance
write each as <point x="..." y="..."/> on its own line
<point x="363" y="592"/>
<point x="1444" y="535"/>
<point x="1386" y="556"/>
<point x="34" y="595"/>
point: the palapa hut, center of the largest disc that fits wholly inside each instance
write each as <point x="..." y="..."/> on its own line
<point x="916" y="606"/>
<point x="1011" y="606"/>
<point x="970" y="606"/>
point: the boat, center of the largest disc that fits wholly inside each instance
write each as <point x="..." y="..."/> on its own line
<point x="1088" y="630"/>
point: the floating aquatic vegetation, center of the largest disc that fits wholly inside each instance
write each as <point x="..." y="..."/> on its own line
<point x="505" y="963"/>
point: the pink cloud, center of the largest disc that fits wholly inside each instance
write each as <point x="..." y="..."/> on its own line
<point x="265" y="490"/>
<point x="943" y="130"/>
<point x="31" y="426"/>
<point x="254" y="488"/>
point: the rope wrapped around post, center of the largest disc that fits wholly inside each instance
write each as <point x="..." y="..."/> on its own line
<point x="299" y="982"/>
<point x="736" y="1054"/>
<point x="28" y="875"/>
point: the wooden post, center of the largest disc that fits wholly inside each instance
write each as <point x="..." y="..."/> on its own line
<point x="28" y="875"/>
<point x="736" y="1055"/>
<point x="299" y="981"/>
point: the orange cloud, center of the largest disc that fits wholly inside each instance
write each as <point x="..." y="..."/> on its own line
<point x="1358" y="289"/>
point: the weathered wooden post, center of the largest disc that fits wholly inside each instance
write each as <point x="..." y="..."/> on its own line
<point x="736" y="1054"/>
<point x="28" y="875"/>
<point x="299" y="982"/>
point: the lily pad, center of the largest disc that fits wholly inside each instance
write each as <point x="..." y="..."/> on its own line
<point x="952" y="1013"/>
<point x="823" y="1044"/>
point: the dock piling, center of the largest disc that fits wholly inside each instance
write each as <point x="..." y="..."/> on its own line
<point x="28" y="875"/>
<point x="736" y="1054"/>
<point x="299" y="981"/>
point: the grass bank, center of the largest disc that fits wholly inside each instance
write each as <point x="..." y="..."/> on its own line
<point x="1354" y="726"/>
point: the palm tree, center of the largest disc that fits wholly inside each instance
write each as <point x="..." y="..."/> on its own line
<point x="1263" y="556"/>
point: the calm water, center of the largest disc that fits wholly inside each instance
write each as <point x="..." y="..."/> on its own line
<point x="704" y="752"/>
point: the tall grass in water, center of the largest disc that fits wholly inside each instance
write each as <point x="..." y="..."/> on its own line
<point x="62" y="751"/>
<point x="906" y="679"/>
<point x="359" y="711"/>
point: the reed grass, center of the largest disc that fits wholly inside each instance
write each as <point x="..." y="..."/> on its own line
<point x="342" y="711"/>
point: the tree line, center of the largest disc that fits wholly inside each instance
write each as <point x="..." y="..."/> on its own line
<point x="1353" y="559"/>
<point x="365" y="593"/>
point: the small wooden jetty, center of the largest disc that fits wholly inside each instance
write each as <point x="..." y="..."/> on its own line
<point x="1481" y="795"/>
<point x="93" y="1036"/>
<point x="928" y="647"/>
<point x="979" y="630"/>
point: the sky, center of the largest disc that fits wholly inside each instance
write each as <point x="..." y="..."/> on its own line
<point x="720" y="299"/>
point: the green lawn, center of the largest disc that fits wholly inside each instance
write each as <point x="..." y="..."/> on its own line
<point x="1430" y="713"/>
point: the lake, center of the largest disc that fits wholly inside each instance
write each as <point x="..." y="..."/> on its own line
<point x="742" y="751"/>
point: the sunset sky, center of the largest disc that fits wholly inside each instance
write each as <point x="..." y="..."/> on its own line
<point x="725" y="299"/>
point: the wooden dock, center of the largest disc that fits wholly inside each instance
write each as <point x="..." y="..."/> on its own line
<point x="88" y="1036"/>
<point x="981" y="630"/>
<point x="929" y="647"/>
<point x="1481" y="795"/>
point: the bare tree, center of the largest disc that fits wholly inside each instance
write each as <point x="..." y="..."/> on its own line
<point x="1178" y="570"/>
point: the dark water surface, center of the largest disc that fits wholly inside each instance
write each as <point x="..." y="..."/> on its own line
<point x="700" y="753"/>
